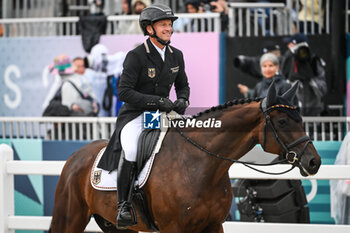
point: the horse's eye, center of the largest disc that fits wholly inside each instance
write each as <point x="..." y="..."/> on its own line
<point x="282" y="121"/>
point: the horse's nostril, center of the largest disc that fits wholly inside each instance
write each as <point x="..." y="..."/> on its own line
<point x="313" y="163"/>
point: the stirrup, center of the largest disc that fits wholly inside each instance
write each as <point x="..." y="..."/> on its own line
<point x="122" y="224"/>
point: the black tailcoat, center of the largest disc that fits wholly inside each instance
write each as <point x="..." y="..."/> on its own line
<point x="144" y="79"/>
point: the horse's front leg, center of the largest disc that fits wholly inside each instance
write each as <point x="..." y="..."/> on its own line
<point x="214" y="228"/>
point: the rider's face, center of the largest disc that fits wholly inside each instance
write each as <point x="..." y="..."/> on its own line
<point x="164" y="29"/>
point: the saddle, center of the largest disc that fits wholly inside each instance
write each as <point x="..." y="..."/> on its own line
<point x="147" y="142"/>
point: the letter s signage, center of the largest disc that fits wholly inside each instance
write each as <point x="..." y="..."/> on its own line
<point x="15" y="102"/>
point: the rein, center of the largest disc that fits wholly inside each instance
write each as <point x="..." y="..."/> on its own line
<point x="291" y="156"/>
<point x="247" y="164"/>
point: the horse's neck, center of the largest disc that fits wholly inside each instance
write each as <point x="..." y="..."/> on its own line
<point x="238" y="134"/>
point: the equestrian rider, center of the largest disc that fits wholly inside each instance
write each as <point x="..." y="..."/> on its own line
<point x="149" y="71"/>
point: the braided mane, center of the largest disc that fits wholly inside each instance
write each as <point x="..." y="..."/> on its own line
<point x="227" y="104"/>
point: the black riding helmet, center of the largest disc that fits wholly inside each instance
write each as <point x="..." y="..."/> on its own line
<point x="154" y="13"/>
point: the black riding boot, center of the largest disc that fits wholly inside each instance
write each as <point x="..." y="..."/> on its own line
<point x="125" y="184"/>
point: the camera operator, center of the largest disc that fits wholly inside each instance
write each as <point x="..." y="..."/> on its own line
<point x="251" y="64"/>
<point x="194" y="25"/>
<point x="216" y="6"/>
<point x="299" y="63"/>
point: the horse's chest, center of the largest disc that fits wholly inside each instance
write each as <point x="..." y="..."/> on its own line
<point x="211" y="207"/>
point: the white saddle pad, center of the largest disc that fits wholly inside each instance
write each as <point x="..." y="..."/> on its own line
<point x="107" y="181"/>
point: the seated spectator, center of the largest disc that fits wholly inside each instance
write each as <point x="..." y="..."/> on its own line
<point x="310" y="16"/>
<point x="195" y="25"/>
<point x="76" y="92"/>
<point x="299" y="63"/>
<point x="270" y="69"/>
<point x="133" y="27"/>
<point x="192" y="6"/>
<point x="78" y="64"/>
<point x="73" y="98"/>
<point x="217" y="6"/>
<point x="138" y="5"/>
<point x="126" y="7"/>
<point x="202" y="6"/>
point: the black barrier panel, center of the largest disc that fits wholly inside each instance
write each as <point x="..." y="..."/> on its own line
<point x="282" y="201"/>
<point x="253" y="46"/>
<point x="56" y="150"/>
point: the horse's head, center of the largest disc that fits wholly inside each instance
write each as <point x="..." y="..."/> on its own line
<point x="283" y="132"/>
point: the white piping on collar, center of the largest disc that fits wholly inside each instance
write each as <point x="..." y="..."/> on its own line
<point x="148" y="50"/>
<point x="146" y="46"/>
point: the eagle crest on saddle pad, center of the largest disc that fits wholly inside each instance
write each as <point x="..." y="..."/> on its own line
<point x="97" y="177"/>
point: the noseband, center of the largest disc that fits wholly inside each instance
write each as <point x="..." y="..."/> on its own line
<point x="291" y="156"/>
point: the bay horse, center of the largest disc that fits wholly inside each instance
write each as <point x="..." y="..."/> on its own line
<point x="189" y="188"/>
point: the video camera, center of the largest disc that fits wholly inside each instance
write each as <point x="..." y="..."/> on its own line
<point x="301" y="52"/>
<point x="241" y="61"/>
<point x="207" y="6"/>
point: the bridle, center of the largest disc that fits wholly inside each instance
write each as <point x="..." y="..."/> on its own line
<point x="290" y="156"/>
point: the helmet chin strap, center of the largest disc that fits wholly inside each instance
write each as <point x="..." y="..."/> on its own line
<point x="163" y="42"/>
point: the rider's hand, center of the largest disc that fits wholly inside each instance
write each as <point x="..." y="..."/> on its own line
<point x="165" y="105"/>
<point x="180" y="106"/>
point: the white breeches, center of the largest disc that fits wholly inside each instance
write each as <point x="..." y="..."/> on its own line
<point x="129" y="137"/>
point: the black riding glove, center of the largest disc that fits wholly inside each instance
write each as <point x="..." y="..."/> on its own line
<point x="165" y="105"/>
<point x="180" y="106"/>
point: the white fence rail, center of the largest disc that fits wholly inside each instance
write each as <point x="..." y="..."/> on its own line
<point x="317" y="13"/>
<point x="245" y="19"/>
<point x="254" y="19"/>
<point x="42" y="8"/>
<point x="28" y="8"/>
<point x="69" y="26"/>
<point x="57" y="128"/>
<point x="9" y="222"/>
<point x="93" y="128"/>
<point x="251" y="19"/>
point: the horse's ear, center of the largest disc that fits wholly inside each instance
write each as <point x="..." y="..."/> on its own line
<point x="271" y="94"/>
<point x="290" y="94"/>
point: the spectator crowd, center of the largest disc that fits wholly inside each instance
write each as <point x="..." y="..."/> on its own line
<point x="298" y="64"/>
